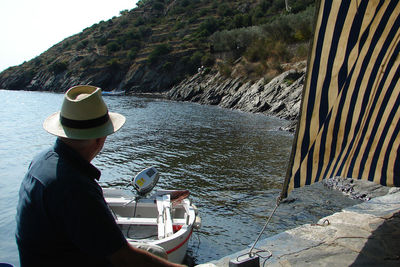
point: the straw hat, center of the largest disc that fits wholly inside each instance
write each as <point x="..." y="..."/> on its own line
<point x="83" y="115"/>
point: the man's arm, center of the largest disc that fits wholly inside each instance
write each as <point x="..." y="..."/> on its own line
<point x="131" y="256"/>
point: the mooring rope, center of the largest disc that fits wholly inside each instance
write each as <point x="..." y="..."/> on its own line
<point x="278" y="201"/>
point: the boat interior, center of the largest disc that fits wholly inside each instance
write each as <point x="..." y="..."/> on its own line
<point x="149" y="218"/>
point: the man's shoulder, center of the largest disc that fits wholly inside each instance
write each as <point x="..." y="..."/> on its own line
<point x="43" y="164"/>
<point x="49" y="166"/>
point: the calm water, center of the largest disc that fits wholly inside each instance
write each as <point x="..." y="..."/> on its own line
<point x="232" y="162"/>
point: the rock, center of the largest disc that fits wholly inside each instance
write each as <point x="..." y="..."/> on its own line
<point x="280" y="97"/>
<point x="358" y="189"/>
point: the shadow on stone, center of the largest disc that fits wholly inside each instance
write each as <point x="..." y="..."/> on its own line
<point x="383" y="246"/>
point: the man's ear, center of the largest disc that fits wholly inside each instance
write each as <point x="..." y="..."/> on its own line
<point x="100" y="141"/>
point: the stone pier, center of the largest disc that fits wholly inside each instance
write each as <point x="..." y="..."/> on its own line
<point x="367" y="234"/>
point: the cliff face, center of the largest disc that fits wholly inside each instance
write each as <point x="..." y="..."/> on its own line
<point x="279" y="97"/>
<point x="137" y="78"/>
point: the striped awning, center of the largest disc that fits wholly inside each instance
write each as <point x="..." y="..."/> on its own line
<point x="349" y="123"/>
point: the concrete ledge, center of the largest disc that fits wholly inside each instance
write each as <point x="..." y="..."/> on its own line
<point x="367" y="234"/>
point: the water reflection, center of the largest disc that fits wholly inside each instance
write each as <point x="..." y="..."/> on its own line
<point x="232" y="162"/>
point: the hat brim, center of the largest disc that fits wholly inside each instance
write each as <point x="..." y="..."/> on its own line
<point x="52" y="125"/>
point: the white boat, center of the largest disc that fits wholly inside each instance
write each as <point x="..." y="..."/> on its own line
<point x="112" y="93"/>
<point x="166" y="219"/>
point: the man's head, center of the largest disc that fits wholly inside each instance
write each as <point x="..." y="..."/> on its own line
<point x="83" y="116"/>
<point x="88" y="149"/>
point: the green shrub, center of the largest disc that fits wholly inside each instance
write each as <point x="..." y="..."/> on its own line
<point x="113" y="47"/>
<point x="276" y="6"/>
<point x="302" y="24"/>
<point x="123" y="22"/>
<point x="259" y="70"/>
<point x="203" y="12"/>
<point x="292" y="27"/>
<point x="158" y="6"/>
<point x="82" y="45"/>
<point x="28" y="75"/>
<point x="179" y="25"/>
<point x="234" y="39"/>
<point x="225" y="69"/>
<point x="279" y="30"/>
<point x="195" y="59"/>
<point x="138" y="22"/>
<point x="37" y="61"/>
<point x="177" y="10"/>
<point x="193" y="19"/>
<point x="132" y="38"/>
<point x="257" y="51"/>
<point x="208" y="27"/>
<point x="58" y="67"/>
<point x="114" y="64"/>
<point x="184" y="3"/>
<point x="86" y="62"/>
<point x="299" y="5"/>
<point x="267" y="49"/>
<point x="158" y="52"/>
<point x="207" y="70"/>
<point x="141" y="3"/>
<point x="144" y="31"/>
<point x="264" y="5"/>
<point x="167" y="66"/>
<point x="225" y="10"/>
<point x="302" y="50"/>
<point x="215" y="4"/>
<point x="66" y="45"/>
<point x="128" y="44"/>
<point x="241" y="20"/>
<point x="291" y="78"/>
<point x="279" y="51"/>
<point x="207" y="60"/>
<point x="102" y="41"/>
<point x="124" y="12"/>
<point x="132" y="54"/>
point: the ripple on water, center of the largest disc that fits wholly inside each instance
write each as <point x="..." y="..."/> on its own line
<point x="232" y="162"/>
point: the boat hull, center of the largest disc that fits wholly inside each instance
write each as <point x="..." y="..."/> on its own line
<point x="140" y="221"/>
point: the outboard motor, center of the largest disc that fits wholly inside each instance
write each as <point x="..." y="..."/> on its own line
<point x="146" y="180"/>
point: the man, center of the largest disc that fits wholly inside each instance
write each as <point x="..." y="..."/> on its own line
<point x="62" y="217"/>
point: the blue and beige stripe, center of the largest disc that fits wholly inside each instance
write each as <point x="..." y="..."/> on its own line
<point x="350" y="115"/>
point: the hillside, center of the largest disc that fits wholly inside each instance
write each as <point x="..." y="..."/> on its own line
<point x="159" y="43"/>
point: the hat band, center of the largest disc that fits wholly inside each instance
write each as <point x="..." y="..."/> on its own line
<point x="84" y="124"/>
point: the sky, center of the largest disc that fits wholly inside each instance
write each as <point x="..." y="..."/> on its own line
<point x="30" y="27"/>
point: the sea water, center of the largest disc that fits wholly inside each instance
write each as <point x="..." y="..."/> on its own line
<point x="232" y="162"/>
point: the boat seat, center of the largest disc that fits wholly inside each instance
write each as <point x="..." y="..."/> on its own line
<point x="139" y="221"/>
<point x="164" y="219"/>
<point x="145" y="221"/>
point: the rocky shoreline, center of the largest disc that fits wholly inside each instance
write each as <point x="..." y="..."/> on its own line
<point x="279" y="97"/>
<point x="359" y="189"/>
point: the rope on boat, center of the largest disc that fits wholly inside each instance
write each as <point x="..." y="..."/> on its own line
<point x="136" y="199"/>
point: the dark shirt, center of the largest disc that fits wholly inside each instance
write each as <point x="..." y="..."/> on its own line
<point x="62" y="217"/>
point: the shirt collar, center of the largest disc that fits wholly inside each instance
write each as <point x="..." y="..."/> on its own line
<point x="72" y="156"/>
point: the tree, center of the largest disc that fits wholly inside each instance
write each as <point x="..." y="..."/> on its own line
<point x="158" y="52"/>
